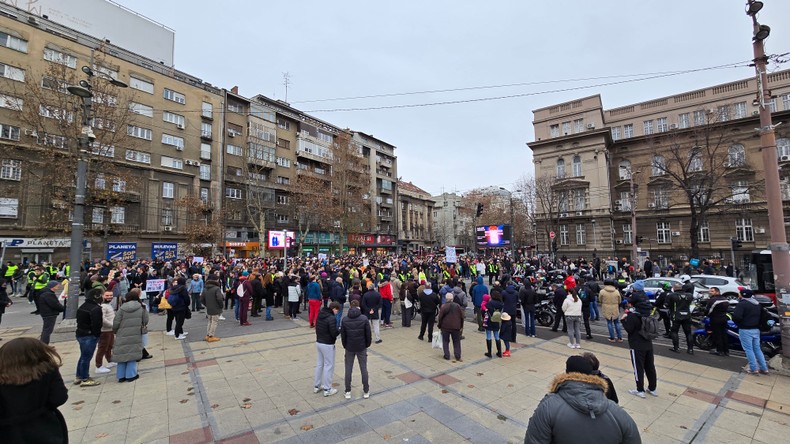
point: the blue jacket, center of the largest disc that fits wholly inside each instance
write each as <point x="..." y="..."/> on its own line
<point x="195" y="286"/>
<point x="178" y="298"/>
<point x="314" y="291"/>
<point x="478" y="292"/>
<point x="510" y="300"/>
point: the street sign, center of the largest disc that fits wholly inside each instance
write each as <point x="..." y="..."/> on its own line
<point x="552" y="235"/>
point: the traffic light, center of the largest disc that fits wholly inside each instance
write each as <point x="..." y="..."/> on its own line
<point x="736" y="243"/>
<point x="479" y="210"/>
<point x="554" y="245"/>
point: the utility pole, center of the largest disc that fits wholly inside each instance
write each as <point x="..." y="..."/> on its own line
<point x="286" y="82"/>
<point x="780" y="251"/>
<point x="633" y="220"/>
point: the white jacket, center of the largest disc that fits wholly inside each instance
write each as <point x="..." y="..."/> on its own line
<point x="570" y="308"/>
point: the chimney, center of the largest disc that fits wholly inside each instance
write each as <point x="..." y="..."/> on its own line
<point x="235" y="90"/>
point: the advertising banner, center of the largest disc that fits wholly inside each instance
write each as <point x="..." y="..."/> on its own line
<point x="493" y="235"/>
<point x="166" y="251"/>
<point x="277" y="238"/>
<point x="122" y="251"/>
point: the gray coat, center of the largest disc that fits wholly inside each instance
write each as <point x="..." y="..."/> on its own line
<point x="212" y="298"/>
<point x="128" y="326"/>
<point x="576" y="410"/>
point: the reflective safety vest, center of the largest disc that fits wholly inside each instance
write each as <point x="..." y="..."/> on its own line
<point x="11" y="270"/>
<point x="422" y="276"/>
<point x="41" y="281"/>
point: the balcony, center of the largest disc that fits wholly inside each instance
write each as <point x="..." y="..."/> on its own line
<point x="311" y="173"/>
<point x="381" y="190"/>
<point x="313" y="156"/>
<point x="268" y="164"/>
<point x="206" y="135"/>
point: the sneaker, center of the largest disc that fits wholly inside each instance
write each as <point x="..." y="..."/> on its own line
<point x="212" y="339"/>
<point x="111" y="364"/>
<point x="764" y="372"/>
<point x="77" y="381"/>
<point x="366" y="395"/>
<point x="653" y="392"/>
<point x="316" y="389"/>
<point x="577" y="346"/>
<point x="181" y="338"/>
<point x="103" y="369"/>
<point x="571" y="345"/>
<point x="378" y="342"/>
<point x="171" y="333"/>
<point x="348" y="395"/>
<point x="330" y="392"/>
<point x="506" y="353"/>
<point x="636" y="392"/>
<point x="89" y="383"/>
<point x="221" y="318"/>
<point x="184" y="333"/>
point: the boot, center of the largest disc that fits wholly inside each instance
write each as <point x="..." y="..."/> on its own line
<point x="498" y="349"/>
<point x="689" y="345"/>
<point x="488" y="346"/>
<point x="675" y="341"/>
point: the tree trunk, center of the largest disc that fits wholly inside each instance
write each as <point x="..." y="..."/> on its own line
<point x="694" y="235"/>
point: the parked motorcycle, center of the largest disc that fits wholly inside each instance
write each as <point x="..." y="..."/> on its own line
<point x="545" y="312"/>
<point x="770" y="341"/>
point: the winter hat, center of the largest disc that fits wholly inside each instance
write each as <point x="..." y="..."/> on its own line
<point x="323" y="274"/>
<point x="505" y="316"/>
<point x="578" y="364"/>
<point x="52" y="284"/>
<point x="746" y="293"/>
<point x="639" y="285"/>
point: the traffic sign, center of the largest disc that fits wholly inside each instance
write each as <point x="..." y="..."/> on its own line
<point x="552" y="235"/>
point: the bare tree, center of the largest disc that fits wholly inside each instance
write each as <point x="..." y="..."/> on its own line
<point x="549" y="201"/>
<point x="204" y="228"/>
<point x="310" y="205"/>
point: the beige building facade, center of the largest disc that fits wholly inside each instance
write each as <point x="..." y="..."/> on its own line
<point x="416" y="208"/>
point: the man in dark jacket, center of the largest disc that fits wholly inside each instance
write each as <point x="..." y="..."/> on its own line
<point x="576" y="410"/>
<point x="451" y="323"/>
<point x="429" y="302"/>
<point x="257" y="295"/>
<point x="679" y="304"/>
<point x="49" y="308"/>
<point x="356" y="338"/>
<point x="642" y="357"/>
<point x="89" y="323"/>
<point x="747" y="318"/>
<point x="529" y="299"/>
<point x="338" y="294"/>
<point x="559" y="297"/>
<point x="717" y="312"/>
<point x="325" y="337"/>
<point x="477" y="292"/>
<point x="371" y="303"/>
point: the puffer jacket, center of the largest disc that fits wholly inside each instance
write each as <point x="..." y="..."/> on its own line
<point x="478" y="292"/>
<point x="212" y="298"/>
<point x="128" y="325"/>
<point x="610" y="302"/>
<point x="510" y="300"/>
<point x="107" y="316"/>
<point x="355" y="331"/>
<point x="576" y="410"/>
<point x="180" y="298"/>
<point x="326" y="327"/>
<point x="571" y="307"/>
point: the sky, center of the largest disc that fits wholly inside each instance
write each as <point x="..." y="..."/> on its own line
<point x="338" y="49"/>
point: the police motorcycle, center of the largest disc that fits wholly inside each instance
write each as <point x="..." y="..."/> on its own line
<point x="770" y="337"/>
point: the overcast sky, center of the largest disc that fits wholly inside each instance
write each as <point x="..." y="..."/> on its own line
<point x="339" y="49"/>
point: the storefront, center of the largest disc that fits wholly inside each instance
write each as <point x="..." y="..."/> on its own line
<point x="320" y="242"/>
<point x="242" y="250"/>
<point x="372" y="244"/>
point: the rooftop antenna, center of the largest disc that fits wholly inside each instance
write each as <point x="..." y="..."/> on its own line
<point x="286" y="82"/>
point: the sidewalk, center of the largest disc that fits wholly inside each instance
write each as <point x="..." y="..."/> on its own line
<point x="259" y="388"/>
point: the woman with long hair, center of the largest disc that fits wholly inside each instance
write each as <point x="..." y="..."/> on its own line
<point x="572" y="307"/>
<point x="31" y="390"/>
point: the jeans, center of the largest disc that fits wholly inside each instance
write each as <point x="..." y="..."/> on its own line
<point x="48" y="328"/>
<point x="528" y="316"/>
<point x="126" y="370"/>
<point x="490" y="333"/>
<point x="386" y="310"/>
<point x="614" y="324"/>
<point x="362" y="357"/>
<point x="594" y="313"/>
<point x="339" y="316"/>
<point x="236" y="310"/>
<point x="324" y="365"/>
<point x="268" y="312"/>
<point x="750" y="341"/>
<point x="196" y="302"/>
<point x="574" y="329"/>
<point x="87" y="347"/>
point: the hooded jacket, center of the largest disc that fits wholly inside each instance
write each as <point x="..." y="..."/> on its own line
<point x="510" y="300"/>
<point x="212" y="298"/>
<point x="610" y="302"/>
<point x="89" y="319"/>
<point x="459" y="296"/>
<point x="576" y="410"/>
<point x="355" y="331"/>
<point x="127" y="325"/>
<point x="49" y="304"/>
<point x="478" y="292"/>
<point x="428" y="301"/>
<point x="326" y="327"/>
<point x="747" y="314"/>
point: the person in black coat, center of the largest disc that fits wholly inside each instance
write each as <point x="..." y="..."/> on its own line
<point x="717" y="312"/>
<point x="89" y="323"/>
<point x="356" y="338"/>
<point x="371" y="304"/>
<point x="257" y="295"/>
<point x="31" y="390"/>
<point x="559" y="297"/>
<point x="642" y="357"/>
<point x="611" y="393"/>
<point x="510" y="302"/>
<point x="529" y="299"/>
<point x="49" y="308"/>
<point x="5" y="301"/>
<point x="429" y="303"/>
<point x="326" y="332"/>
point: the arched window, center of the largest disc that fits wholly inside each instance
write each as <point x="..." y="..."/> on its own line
<point x="659" y="165"/>
<point x="625" y="170"/>
<point x="783" y="148"/>
<point x="577" y="166"/>
<point x="736" y="156"/>
<point x="560" y="168"/>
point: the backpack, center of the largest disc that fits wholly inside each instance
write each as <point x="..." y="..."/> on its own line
<point x="496" y="316"/>
<point x="649" y="328"/>
<point x="172" y="298"/>
<point x="240" y="290"/>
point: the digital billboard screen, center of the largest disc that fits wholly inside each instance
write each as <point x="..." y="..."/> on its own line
<point x="277" y="238"/>
<point x="493" y="235"/>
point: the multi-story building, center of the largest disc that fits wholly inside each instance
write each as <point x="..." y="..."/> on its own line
<point x="382" y="165"/>
<point x="415" y="225"/>
<point x="153" y="145"/>
<point x="693" y="161"/>
<point x="453" y="224"/>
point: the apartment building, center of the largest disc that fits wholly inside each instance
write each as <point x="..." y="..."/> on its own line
<point x="415" y="225"/>
<point x="154" y="145"/>
<point x="453" y="224"/>
<point x="691" y="159"/>
<point x="381" y="164"/>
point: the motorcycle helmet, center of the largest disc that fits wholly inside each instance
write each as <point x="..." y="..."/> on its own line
<point x="685" y="278"/>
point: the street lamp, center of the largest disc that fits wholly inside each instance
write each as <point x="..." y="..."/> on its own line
<point x="85" y="92"/>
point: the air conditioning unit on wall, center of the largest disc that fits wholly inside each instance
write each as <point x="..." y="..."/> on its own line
<point x="168" y="228"/>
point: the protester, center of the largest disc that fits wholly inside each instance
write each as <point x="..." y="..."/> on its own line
<point x="371" y="304"/>
<point x="212" y="299"/>
<point x="107" y="338"/>
<point x="128" y="327"/>
<point x="572" y="308"/>
<point x="429" y="303"/>
<point x="49" y="308"/>
<point x="610" y="306"/>
<point x="611" y="393"/>
<point x="492" y="306"/>
<point x="747" y="318"/>
<point x="326" y="332"/>
<point x="356" y="338"/>
<point x="642" y="357"/>
<point x="450" y="323"/>
<point x="89" y="323"/>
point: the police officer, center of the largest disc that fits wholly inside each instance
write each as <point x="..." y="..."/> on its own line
<point x="663" y="310"/>
<point x="679" y="303"/>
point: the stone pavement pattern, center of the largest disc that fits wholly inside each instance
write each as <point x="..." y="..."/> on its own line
<point x="258" y="388"/>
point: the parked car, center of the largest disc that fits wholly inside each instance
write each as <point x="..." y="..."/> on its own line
<point x="730" y="287"/>
<point x="654" y="285"/>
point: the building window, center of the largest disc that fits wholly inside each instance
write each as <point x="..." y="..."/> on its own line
<point x="51" y="112"/>
<point x="704" y="231"/>
<point x="205" y="172"/>
<point x="205" y="130"/>
<point x="578" y="199"/>
<point x="627" y="239"/>
<point x="9" y="208"/>
<point x="554" y="130"/>
<point x="699" y="117"/>
<point x="117" y="215"/>
<point x="143" y="110"/>
<point x="100" y="182"/>
<point x="661" y="199"/>
<point x="60" y="57"/>
<point x="13" y="73"/>
<point x="282" y="199"/>
<point x="578" y="125"/>
<point x="172" y="162"/>
<point x="576" y="166"/>
<point x="562" y="201"/>
<point x="236" y="107"/>
<point x="283" y="162"/>
<point x="684" y="120"/>
<point x="234" y="150"/>
<point x="771" y="105"/>
<point x="118" y="185"/>
<point x="233" y="193"/>
<point x="581" y="234"/>
<point x="138" y="156"/>
<point x="11" y="169"/>
<point x="97" y="217"/>
<point x="740" y="110"/>
<point x="628" y="130"/>
<point x="625" y="201"/>
<point x="283" y="124"/>
<point x="695" y="160"/>
<point x="740" y="192"/>
<point x="178" y="142"/>
<point x="560" y="168"/>
<point x="139" y="132"/>
<point x="743" y="229"/>
<point x="616" y="133"/>
<point x="11" y="102"/>
<point x="284" y="144"/>
<point x="782" y="146"/>
<point x="174" y="118"/>
<point x="324" y="137"/>
<point x="141" y="85"/>
<point x="663" y="233"/>
<point x="564" y="235"/>
<point x="736" y="156"/>
<point x="12" y="42"/>
<point x="659" y="166"/>
<point x="662" y="125"/>
<point x="9" y="132"/>
<point x="260" y="152"/>
<point x="647" y="126"/>
<point x="204" y="195"/>
<point x="206" y="110"/>
<point x="205" y="151"/>
<point x="724" y="113"/>
<point x="167" y="217"/>
<point x="566" y="128"/>
<point x="283" y="180"/>
<point x="168" y="190"/>
<point x="282" y="219"/>
<point x="174" y="96"/>
<point x="624" y="170"/>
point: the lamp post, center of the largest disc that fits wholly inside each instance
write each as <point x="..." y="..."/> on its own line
<point x="83" y="91"/>
<point x="778" y="246"/>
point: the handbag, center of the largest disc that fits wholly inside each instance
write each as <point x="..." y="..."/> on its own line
<point x="496" y="317"/>
<point x="163" y="303"/>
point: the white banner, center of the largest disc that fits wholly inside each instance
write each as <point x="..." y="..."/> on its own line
<point x="449" y="254"/>
<point x="153" y="285"/>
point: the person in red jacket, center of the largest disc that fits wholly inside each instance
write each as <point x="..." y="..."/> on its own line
<point x="570" y="284"/>
<point x="385" y="289"/>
